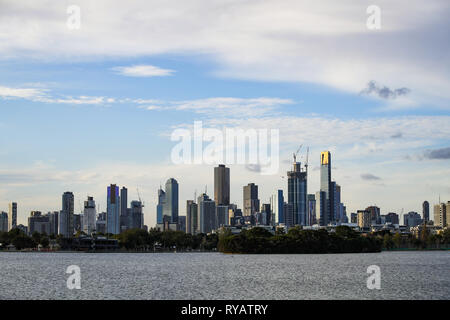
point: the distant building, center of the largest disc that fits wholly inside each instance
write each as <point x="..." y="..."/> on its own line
<point x="375" y="214"/>
<point x="66" y="226"/>
<point x="3" y="222"/>
<point x="38" y="223"/>
<point x="160" y="205"/>
<point x="77" y="222"/>
<point x="182" y="223"/>
<point x="53" y="218"/>
<point x="100" y="224"/>
<point x="326" y="185"/>
<point x="207" y="214"/>
<point x="89" y="215"/>
<point x="353" y="217"/>
<point x="251" y="201"/>
<point x="440" y="215"/>
<point x="221" y="216"/>
<point x="192" y="217"/>
<point x="311" y="213"/>
<point x="297" y="192"/>
<point x="364" y="219"/>
<point x="222" y="185"/>
<point x="170" y="206"/>
<point x="12" y="216"/>
<point x="426" y="211"/>
<point x="113" y="210"/>
<point x="136" y="215"/>
<point x="276" y="207"/>
<point x="412" y="219"/>
<point x="288" y="210"/>
<point x="392" y="217"/>
<point x="322" y="208"/>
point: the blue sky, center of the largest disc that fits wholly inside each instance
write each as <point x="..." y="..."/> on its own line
<point x="80" y="109"/>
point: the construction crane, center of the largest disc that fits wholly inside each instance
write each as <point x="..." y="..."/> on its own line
<point x="296" y="153"/>
<point x="307" y="159"/>
<point x="139" y="196"/>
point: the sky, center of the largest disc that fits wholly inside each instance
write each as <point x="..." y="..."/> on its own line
<point x="81" y="108"/>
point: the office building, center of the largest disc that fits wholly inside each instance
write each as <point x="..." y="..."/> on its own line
<point x="364" y="219"/>
<point x="100" y="224"/>
<point x="221" y="216"/>
<point x="113" y="210"/>
<point x="12" y="216"/>
<point x="191" y="217"/>
<point x="326" y="185"/>
<point x="392" y="217"/>
<point x="276" y="207"/>
<point x="3" y="222"/>
<point x="181" y="223"/>
<point x="375" y="214"/>
<point x="123" y="201"/>
<point x="288" y="210"/>
<point x="297" y="193"/>
<point x="89" y="215"/>
<point x="251" y="201"/>
<point x="160" y="205"/>
<point x="311" y="210"/>
<point x="222" y="185"/>
<point x="135" y="215"/>
<point x="66" y="223"/>
<point x="38" y="223"/>
<point x="412" y="219"/>
<point x="54" y="222"/>
<point x="322" y="208"/>
<point x="426" y="211"/>
<point x="206" y="214"/>
<point x="170" y="206"/>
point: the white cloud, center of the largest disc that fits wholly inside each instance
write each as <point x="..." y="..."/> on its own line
<point x="22" y="93"/>
<point x="324" y="42"/>
<point x="143" y="71"/>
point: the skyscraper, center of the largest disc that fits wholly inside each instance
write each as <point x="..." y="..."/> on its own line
<point x="426" y="211"/>
<point x="89" y="215"/>
<point x="276" y="207"/>
<point x="191" y="217"/>
<point x="12" y="216"/>
<point x="123" y="201"/>
<point x="222" y="185"/>
<point x="160" y="205"/>
<point x="170" y="207"/>
<point x="325" y="183"/>
<point x="321" y="208"/>
<point x="206" y="214"/>
<point x="136" y="215"/>
<point x="251" y="201"/>
<point x="66" y="223"/>
<point x="311" y="213"/>
<point x="113" y="210"/>
<point x="297" y="192"/>
<point x="3" y="222"/>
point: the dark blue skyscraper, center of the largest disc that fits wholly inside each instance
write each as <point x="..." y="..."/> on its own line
<point x="297" y="192"/>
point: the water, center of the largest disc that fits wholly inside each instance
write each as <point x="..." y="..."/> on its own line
<point x="404" y="275"/>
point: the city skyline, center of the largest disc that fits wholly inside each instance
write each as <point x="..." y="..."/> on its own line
<point x="81" y="109"/>
<point x="121" y="201"/>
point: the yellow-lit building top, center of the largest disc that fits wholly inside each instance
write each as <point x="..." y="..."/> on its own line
<point x="324" y="157"/>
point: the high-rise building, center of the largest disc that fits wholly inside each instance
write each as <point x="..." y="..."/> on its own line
<point x="297" y="193"/>
<point x="66" y="223"/>
<point x="113" y="210"/>
<point x="206" y="214"/>
<point x="221" y="216"/>
<point x="89" y="215"/>
<point x="276" y="207"/>
<point x="375" y="214"/>
<point x="3" y="222"/>
<point x="170" y="207"/>
<point x="426" y="211"/>
<point x="191" y="217"/>
<point x="288" y="210"/>
<point x="440" y="215"/>
<point x="222" y="185"/>
<point x="100" y="224"/>
<point x="412" y="219"/>
<point x="38" y="223"/>
<point x="12" y="216"/>
<point x="392" y="217"/>
<point x="251" y="201"/>
<point x="325" y="184"/>
<point x="54" y="222"/>
<point x="322" y="208"/>
<point x="311" y="210"/>
<point x="364" y="219"/>
<point x="181" y="225"/>
<point x="160" y="205"/>
<point x="136" y="215"/>
<point x="336" y="201"/>
<point x="123" y="201"/>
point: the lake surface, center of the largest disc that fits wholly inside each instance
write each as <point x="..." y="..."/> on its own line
<point x="404" y="275"/>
